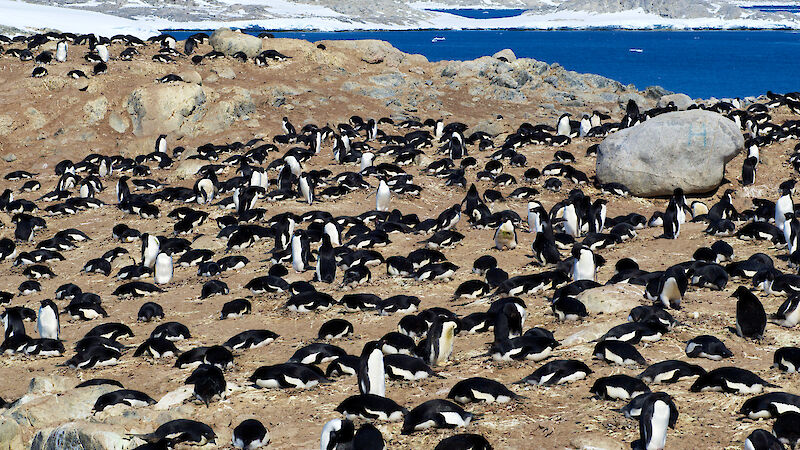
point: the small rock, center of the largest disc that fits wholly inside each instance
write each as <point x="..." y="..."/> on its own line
<point x="188" y="168"/>
<point x="596" y="441"/>
<point x="36" y="119"/>
<point x="10" y="157"/>
<point x="611" y="299"/>
<point x="191" y="76"/>
<point x="224" y="72"/>
<point x="95" y="110"/>
<point x="506" y="54"/>
<point x="118" y="123"/>
<point x="6" y="125"/>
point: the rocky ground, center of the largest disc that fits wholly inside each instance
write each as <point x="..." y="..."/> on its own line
<point x="47" y="120"/>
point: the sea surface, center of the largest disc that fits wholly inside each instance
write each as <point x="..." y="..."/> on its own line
<point x="702" y="64"/>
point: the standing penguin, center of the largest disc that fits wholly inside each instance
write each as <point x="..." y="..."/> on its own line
<point x="749" y="170"/>
<point x="371" y="371"/>
<point x="563" y="128"/>
<point x="751" y="319"/>
<point x="306" y="188"/>
<point x="382" y="197"/>
<point x="61" y="51"/>
<point x="150" y="249"/>
<point x="791" y="232"/>
<point x="680" y="201"/>
<point x="47" y="321"/>
<point x="658" y="413"/>
<point x="163" y="270"/>
<point x="536" y="214"/>
<point x="161" y="144"/>
<point x="783" y="206"/>
<point x="300" y="251"/>
<point x="571" y="222"/>
<point x="586" y="125"/>
<point x="123" y="191"/>
<point x="583" y="268"/>
<point x="505" y="236"/>
<point x="597" y="215"/>
<point x="440" y="339"/>
<point x="102" y="51"/>
<point x="672" y="224"/>
<point x="326" y="261"/>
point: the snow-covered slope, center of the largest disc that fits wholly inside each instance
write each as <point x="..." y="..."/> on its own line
<point x="146" y="17"/>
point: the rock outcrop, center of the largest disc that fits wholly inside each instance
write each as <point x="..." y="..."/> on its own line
<point x="686" y="149"/>
<point x="165" y="108"/>
<point x="229" y="42"/>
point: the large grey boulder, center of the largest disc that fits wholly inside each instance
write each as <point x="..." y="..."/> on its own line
<point x="229" y="42"/>
<point x="80" y="436"/>
<point x="685" y="149"/>
<point x="44" y="409"/>
<point x="165" y="108"/>
<point x="681" y="101"/>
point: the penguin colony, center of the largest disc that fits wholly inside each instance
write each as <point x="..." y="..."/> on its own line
<point x="270" y="210"/>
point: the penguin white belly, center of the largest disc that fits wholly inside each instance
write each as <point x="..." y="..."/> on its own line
<point x="269" y="384"/>
<point x="486" y="397"/>
<point x="617" y="392"/>
<point x="664" y="376"/>
<point x="48" y="324"/>
<point x="297" y="259"/>
<point x="455" y="419"/>
<point x="163" y="270"/>
<point x="583" y="269"/>
<point x="671" y="292"/>
<point x="658" y="426"/>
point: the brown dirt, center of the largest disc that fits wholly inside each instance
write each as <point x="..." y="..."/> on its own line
<point x="549" y="418"/>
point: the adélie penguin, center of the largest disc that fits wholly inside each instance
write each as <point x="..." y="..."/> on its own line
<point x="439" y="344"/>
<point x="382" y="197"/>
<point x="783" y="206"/>
<point x="583" y="268"/>
<point x="250" y="435"/>
<point x="47" y="321"/>
<point x="326" y="261"/>
<point x="336" y="434"/>
<point x="505" y="236"/>
<point x="658" y="413"/>
<point x="671" y="220"/>
<point x="761" y="439"/>
<point x="181" y="431"/>
<point x="478" y="389"/>
<point x="163" y="269"/>
<point x="751" y="319"/>
<point x="301" y="251"/>
<point x="669" y="288"/>
<point x="150" y="249"/>
<point x="371" y="371"/>
<point x="435" y="413"/>
<point x="731" y="380"/>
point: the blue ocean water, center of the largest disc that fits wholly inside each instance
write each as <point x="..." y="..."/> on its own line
<point x="702" y="64"/>
<point x="482" y="13"/>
